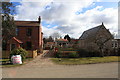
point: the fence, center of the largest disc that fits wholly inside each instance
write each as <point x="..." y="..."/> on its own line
<point x="31" y="54"/>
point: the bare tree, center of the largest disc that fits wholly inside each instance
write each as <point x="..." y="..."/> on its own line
<point x="55" y="35"/>
<point x="101" y="43"/>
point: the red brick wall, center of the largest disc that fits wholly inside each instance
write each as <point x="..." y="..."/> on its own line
<point x="35" y="38"/>
<point x="12" y="41"/>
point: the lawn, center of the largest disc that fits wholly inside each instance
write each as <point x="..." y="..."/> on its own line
<point x="88" y="60"/>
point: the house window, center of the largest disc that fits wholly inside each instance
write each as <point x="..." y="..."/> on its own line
<point x="29" y="32"/>
<point x="17" y="31"/>
<point x="112" y="45"/>
<point x="28" y="45"/>
<point x="116" y="45"/>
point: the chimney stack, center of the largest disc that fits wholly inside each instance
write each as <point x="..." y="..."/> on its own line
<point x="39" y="19"/>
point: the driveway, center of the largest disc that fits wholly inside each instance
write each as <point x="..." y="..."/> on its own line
<point x="44" y="68"/>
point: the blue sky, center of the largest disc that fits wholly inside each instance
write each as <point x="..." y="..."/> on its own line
<point x="67" y="18"/>
<point x="104" y="4"/>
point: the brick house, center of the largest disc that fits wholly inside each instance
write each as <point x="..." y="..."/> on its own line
<point x="28" y="36"/>
<point x="61" y="42"/>
<point x="90" y="38"/>
<point x="49" y="45"/>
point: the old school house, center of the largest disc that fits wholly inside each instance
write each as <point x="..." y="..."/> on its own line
<point x="28" y="36"/>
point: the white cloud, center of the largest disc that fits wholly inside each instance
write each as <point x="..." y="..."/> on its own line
<point x="62" y="13"/>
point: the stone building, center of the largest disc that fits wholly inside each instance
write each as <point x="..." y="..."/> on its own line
<point x="95" y="39"/>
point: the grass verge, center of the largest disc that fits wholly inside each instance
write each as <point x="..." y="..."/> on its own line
<point x="88" y="60"/>
<point x="13" y="65"/>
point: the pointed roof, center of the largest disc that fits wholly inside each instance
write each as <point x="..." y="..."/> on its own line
<point x="91" y="32"/>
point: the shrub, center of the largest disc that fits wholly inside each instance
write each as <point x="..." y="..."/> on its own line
<point x="84" y="53"/>
<point x="58" y="54"/>
<point x="73" y="55"/>
<point x="19" y="51"/>
<point x="95" y="54"/>
<point x="66" y="49"/>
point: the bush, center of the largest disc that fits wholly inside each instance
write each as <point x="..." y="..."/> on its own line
<point x="58" y="54"/>
<point x="94" y="54"/>
<point x="67" y="49"/>
<point x="68" y="54"/>
<point x="84" y="53"/>
<point x="19" y="51"/>
<point x="73" y="55"/>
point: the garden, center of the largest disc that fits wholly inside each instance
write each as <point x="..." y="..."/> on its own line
<point x="81" y="56"/>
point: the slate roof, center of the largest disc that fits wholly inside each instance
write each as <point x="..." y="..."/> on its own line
<point x="27" y="23"/>
<point x="91" y="32"/>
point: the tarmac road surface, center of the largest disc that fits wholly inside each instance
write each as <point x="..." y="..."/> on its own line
<point x="44" y="68"/>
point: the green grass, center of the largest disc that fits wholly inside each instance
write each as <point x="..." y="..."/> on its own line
<point x="88" y="60"/>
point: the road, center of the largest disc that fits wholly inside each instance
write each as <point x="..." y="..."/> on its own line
<point x="44" y="68"/>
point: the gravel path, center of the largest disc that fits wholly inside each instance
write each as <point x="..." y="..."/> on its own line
<point x="44" y="68"/>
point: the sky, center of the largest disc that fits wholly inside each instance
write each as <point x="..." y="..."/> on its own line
<point x="70" y="17"/>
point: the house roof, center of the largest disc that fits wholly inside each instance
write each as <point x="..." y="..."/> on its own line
<point x="27" y="23"/>
<point x="50" y="43"/>
<point x="61" y="40"/>
<point x="91" y="32"/>
<point x="19" y="41"/>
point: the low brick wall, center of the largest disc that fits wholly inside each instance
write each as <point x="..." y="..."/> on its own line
<point x="31" y="54"/>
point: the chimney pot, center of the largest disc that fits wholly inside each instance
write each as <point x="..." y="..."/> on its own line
<point x="39" y="19"/>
